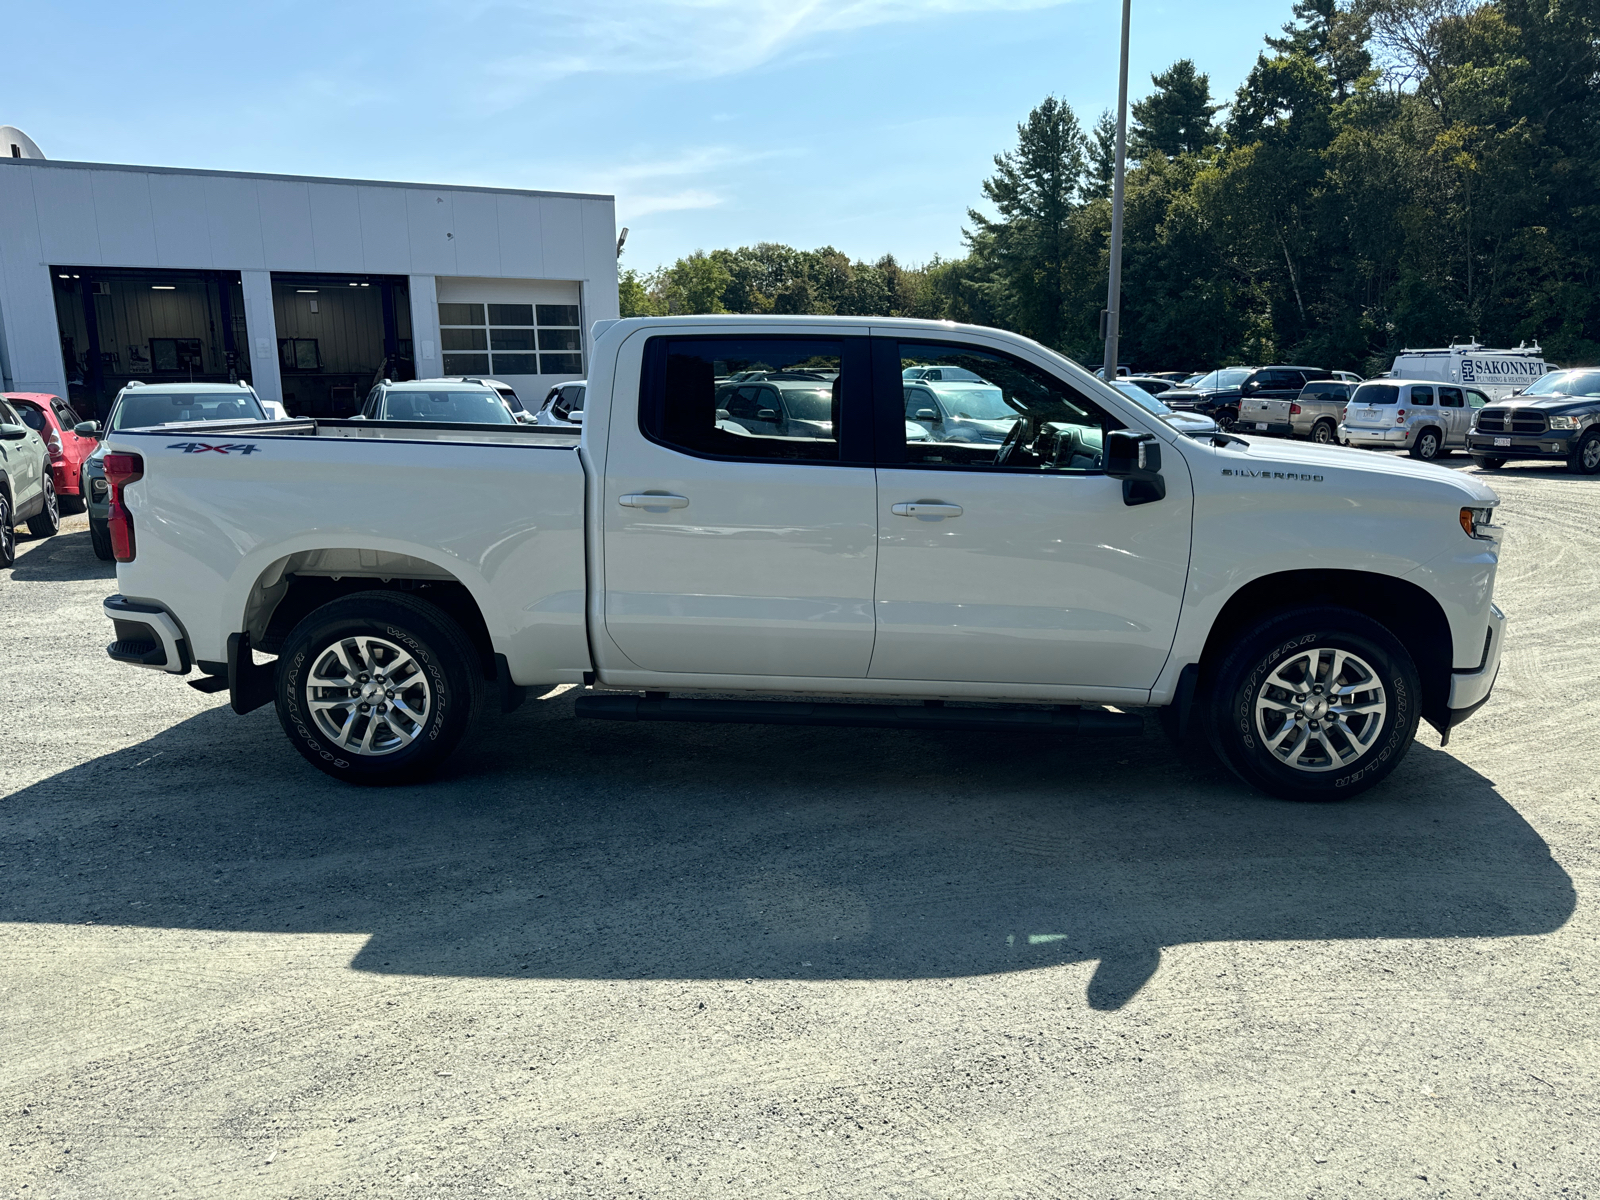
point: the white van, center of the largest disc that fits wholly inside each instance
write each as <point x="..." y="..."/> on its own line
<point x="1500" y="373"/>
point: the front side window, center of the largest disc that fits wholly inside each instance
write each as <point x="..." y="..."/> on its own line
<point x="474" y="407"/>
<point x="511" y="339"/>
<point x="1000" y="414"/>
<point x="144" y="407"/>
<point x="745" y="397"/>
<point x="1476" y="399"/>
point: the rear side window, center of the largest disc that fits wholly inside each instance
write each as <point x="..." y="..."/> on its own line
<point x="1374" y="394"/>
<point x="1450" y="397"/>
<point x="1422" y="397"/>
<point x="32" y="417"/>
<point x="753" y="397"/>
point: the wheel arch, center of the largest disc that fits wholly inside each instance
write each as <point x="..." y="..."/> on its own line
<point x="1402" y="607"/>
<point x="290" y="588"/>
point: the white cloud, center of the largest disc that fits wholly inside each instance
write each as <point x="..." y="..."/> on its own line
<point x="632" y="206"/>
<point x="701" y="38"/>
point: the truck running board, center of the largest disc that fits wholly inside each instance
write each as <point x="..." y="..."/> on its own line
<point x="1096" y="721"/>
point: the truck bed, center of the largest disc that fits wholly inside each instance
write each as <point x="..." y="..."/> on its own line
<point x="393" y="431"/>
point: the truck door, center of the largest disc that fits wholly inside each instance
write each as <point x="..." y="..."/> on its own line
<point x="731" y="548"/>
<point x="1018" y="562"/>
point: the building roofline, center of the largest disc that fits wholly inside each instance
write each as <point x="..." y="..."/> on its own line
<point x="43" y="163"/>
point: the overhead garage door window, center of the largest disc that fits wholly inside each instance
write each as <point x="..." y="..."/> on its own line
<point x="511" y="339"/>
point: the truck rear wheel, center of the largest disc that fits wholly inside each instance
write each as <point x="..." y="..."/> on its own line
<point x="377" y="687"/>
<point x="1314" y="704"/>
<point x="1325" y="433"/>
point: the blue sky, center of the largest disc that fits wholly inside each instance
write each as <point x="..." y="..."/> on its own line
<point x="864" y="124"/>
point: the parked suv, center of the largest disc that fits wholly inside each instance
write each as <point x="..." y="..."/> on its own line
<point x="53" y="420"/>
<point x="563" y="405"/>
<point x="1557" y="417"/>
<point x="27" y="493"/>
<point x="469" y="402"/>
<point x="1222" y="394"/>
<point x="1319" y="408"/>
<point x="1426" y="419"/>
<point x="506" y="391"/>
<point x="140" y="405"/>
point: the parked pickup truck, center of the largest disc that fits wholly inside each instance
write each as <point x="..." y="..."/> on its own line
<point x="1303" y="606"/>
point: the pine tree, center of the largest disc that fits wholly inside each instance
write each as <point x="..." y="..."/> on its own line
<point x="1034" y="190"/>
<point x="1176" y="117"/>
<point x="1102" y="157"/>
<point x="1333" y="35"/>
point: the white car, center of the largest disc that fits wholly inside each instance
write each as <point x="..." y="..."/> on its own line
<point x="1306" y="606"/>
<point x="563" y="405"/>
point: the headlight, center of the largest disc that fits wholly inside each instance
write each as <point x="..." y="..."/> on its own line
<point x="1479" y="523"/>
<point x="1566" y="422"/>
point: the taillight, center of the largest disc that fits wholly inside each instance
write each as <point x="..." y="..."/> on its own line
<point x="1400" y="416"/>
<point x="121" y="470"/>
<point x="54" y="445"/>
<point x="1294" y="410"/>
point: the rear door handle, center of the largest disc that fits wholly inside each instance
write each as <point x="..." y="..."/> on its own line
<point x="927" y="510"/>
<point x="653" y="501"/>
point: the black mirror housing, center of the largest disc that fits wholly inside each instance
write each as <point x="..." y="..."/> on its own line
<point x="1135" y="458"/>
<point x="89" y="429"/>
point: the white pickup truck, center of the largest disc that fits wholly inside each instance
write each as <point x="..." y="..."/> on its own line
<point x="1304" y="606"/>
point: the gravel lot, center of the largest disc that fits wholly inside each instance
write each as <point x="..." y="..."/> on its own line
<point x="610" y="960"/>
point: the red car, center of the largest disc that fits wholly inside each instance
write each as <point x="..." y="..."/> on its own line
<point x="51" y="417"/>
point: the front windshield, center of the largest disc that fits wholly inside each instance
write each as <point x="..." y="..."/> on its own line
<point x="809" y="404"/>
<point x="463" y="407"/>
<point x="138" y="409"/>
<point x="972" y="403"/>
<point x="1225" y="378"/>
<point x="1142" y="398"/>
<point x="1566" y="383"/>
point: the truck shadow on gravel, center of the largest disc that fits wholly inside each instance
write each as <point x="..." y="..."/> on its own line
<point x="557" y="849"/>
<point x="66" y="557"/>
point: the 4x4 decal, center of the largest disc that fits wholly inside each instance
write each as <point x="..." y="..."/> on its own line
<point x="202" y="447"/>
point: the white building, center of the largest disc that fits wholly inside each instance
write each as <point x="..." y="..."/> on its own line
<point x="309" y="288"/>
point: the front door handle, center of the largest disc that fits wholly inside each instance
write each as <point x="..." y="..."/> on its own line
<point x="653" y="501"/>
<point x="927" y="510"/>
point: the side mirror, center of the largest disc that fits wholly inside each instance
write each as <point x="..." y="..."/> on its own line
<point x="1135" y="458"/>
<point x="576" y="416"/>
<point x="766" y="414"/>
<point x="89" y="429"/>
<point x="927" y="414"/>
<point x="13" y="433"/>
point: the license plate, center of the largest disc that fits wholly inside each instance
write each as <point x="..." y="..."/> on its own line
<point x="1261" y="424"/>
<point x="1502" y="441"/>
<point x="1369" y="412"/>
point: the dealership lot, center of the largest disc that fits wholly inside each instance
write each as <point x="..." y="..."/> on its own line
<point x="672" y="960"/>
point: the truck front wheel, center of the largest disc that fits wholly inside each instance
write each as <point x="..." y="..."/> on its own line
<point x="1314" y="704"/>
<point x="377" y="687"/>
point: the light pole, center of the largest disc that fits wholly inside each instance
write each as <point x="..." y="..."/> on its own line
<point x="1114" y="289"/>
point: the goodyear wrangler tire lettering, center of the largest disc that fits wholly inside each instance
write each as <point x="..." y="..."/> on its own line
<point x="390" y="679"/>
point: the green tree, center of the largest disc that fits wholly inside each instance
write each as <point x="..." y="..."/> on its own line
<point x="1333" y="34"/>
<point x="1177" y="117"/>
<point x="1029" y="247"/>
<point x="634" y="298"/>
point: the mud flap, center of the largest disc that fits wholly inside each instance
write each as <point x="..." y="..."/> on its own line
<point x="249" y="682"/>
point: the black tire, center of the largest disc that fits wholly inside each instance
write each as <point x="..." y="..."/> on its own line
<point x="71" y="504"/>
<point x="100" y="539"/>
<point x="1344" y="763"/>
<point x="8" y="533"/>
<point x="1325" y="433"/>
<point x="47" y="520"/>
<point x="1585" y="459"/>
<point x="1488" y="462"/>
<point x="1428" y="444"/>
<point x="1225" y="418"/>
<point x="446" y="689"/>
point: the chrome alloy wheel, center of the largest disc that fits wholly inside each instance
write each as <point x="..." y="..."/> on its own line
<point x="1321" y="709"/>
<point x="1590" y="455"/>
<point x="368" y="695"/>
